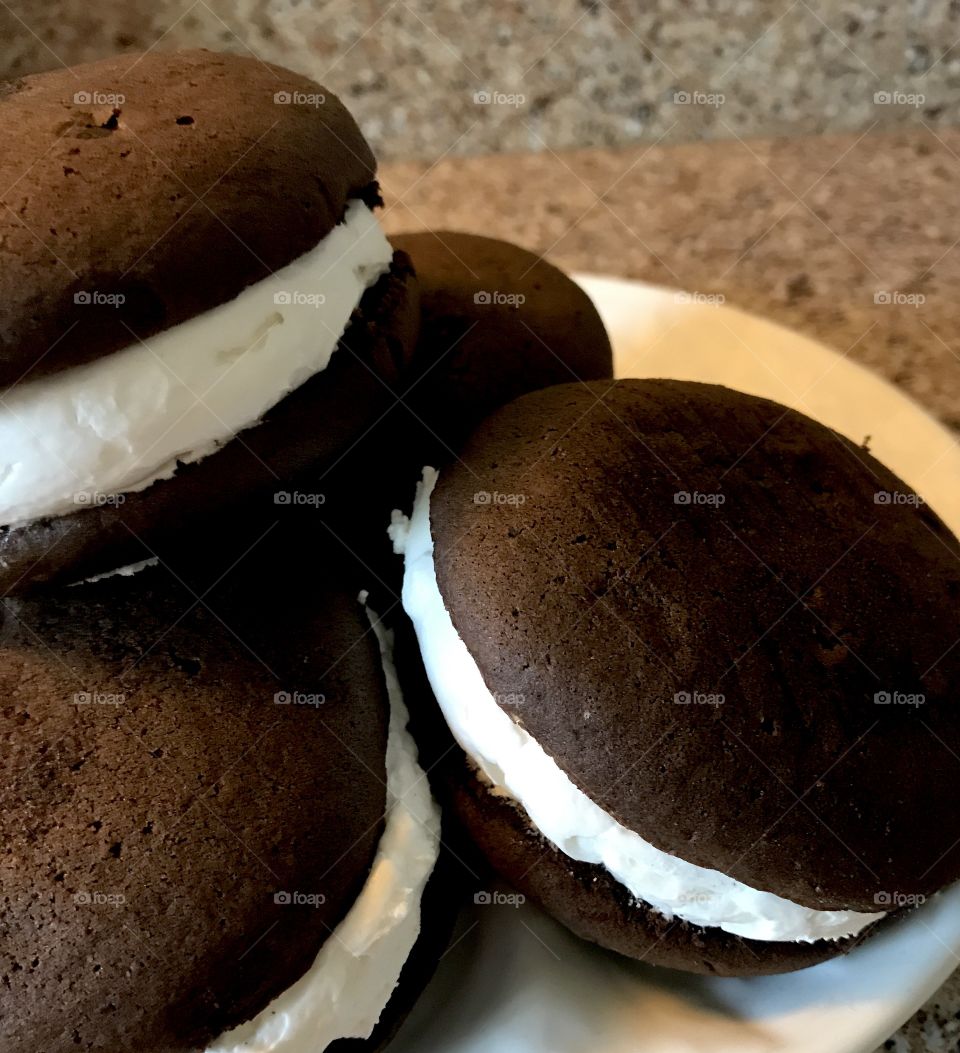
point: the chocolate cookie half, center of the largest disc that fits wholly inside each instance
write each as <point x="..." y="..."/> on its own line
<point x="196" y="302"/>
<point x="699" y="652"/>
<point x="218" y="835"/>
<point x="497" y="321"/>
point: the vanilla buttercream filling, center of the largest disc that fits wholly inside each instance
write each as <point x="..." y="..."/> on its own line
<point x="517" y="766"/>
<point x="116" y="425"/>
<point x="348" y="986"/>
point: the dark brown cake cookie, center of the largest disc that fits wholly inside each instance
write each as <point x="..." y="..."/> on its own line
<point x="176" y="179"/>
<point x="179" y="845"/>
<point x="615" y="562"/>
<point x="497" y="322"/>
<point x="217" y="171"/>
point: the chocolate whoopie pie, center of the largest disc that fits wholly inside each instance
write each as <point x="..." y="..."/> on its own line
<point x="497" y="321"/>
<point x="197" y="303"/>
<point x="698" y="652"/>
<point x="217" y="833"/>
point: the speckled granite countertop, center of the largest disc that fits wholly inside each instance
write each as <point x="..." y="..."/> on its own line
<point x="804" y="231"/>
<point x="427" y="76"/>
<point x="810" y="232"/>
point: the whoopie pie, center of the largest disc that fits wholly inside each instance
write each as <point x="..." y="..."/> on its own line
<point x="197" y="303"/>
<point x="699" y="655"/>
<point x="217" y="834"/>
<point x="496" y="322"/>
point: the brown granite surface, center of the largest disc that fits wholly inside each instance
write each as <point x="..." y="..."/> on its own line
<point x="427" y="76"/>
<point x="805" y="231"/>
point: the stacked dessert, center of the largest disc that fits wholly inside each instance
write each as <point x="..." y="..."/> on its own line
<point x="219" y="835"/>
<point x="653" y="626"/>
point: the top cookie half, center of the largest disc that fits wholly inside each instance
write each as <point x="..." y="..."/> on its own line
<point x="138" y="192"/>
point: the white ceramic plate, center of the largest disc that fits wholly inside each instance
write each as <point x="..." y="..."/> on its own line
<point x="516" y="982"/>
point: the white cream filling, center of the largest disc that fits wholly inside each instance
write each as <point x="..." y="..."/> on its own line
<point x="346" y="989"/>
<point x="517" y="766"/>
<point x="117" y="424"/>
<point x="127" y="571"/>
